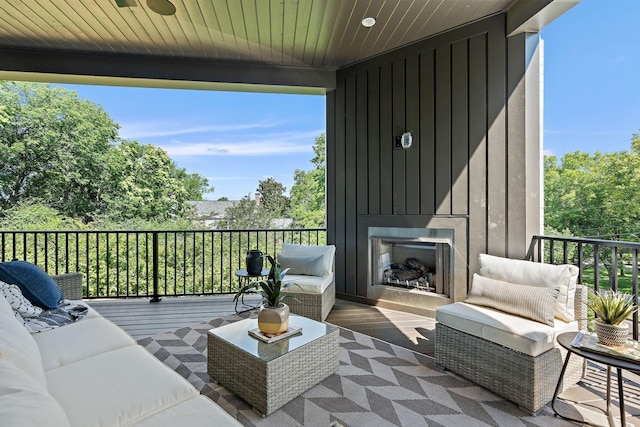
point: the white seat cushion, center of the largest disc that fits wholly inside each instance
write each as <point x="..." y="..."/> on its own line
<point x="18" y="346"/>
<point x="307" y="284"/>
<point x="196" y="412"/>
<point x="117" y="388"/>
<point x="68" y="344"/>
<point x="24" y="402"/>
<point x="514" y="332"/>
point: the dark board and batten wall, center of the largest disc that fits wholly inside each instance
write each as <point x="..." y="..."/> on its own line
<point x="471" y="160"/>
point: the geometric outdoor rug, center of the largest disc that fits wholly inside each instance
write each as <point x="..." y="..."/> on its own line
<point x="377" y="384"/>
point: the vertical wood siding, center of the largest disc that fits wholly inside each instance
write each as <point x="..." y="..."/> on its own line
<point x="450" y="92"/>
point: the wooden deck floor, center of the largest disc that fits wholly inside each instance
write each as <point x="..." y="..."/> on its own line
<point x="140" y="318"/>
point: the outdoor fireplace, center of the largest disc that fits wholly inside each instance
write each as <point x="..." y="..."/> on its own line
<point x="419" y="260"/>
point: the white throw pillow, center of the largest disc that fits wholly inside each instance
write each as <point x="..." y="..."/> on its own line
<point x="536" y="274"/>
<point x="18" y="302"/>
<point x="305" y="265"/>
<point x="532" y="302"/>
<point x="327" y="251"/>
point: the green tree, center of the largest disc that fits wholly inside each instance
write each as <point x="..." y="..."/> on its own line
<point x="594" y="195"/>
<point x="65" y="153"/>
<point x="308" y="191"/>
<point x="272" y="198"/>
<point x="52" y="147"/>
<point x="143" y="182"/>
<point x="246" y="214"/>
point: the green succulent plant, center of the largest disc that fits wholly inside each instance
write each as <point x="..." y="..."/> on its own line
<point x="271" y="288"/>
<point x="612" y="307"/>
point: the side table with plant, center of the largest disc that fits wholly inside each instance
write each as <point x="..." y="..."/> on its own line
<point x="611" y="309"/>
<point x="273" y="317"/>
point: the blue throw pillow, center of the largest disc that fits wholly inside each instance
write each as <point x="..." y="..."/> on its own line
<point x="36" y="285"/>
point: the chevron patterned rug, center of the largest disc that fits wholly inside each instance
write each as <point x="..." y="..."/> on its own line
<point x="377" y="384"/>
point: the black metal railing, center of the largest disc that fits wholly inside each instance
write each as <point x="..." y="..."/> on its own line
<point x="118" y="264"/>
<point x="603" y="264"/>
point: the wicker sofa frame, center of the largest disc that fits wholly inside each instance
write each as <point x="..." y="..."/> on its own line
<point x="70" y="284"/>
<point x="525" y="380"/>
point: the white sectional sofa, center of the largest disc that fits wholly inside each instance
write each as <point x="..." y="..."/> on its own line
<point x="503" y="336"/>
<point x="312" y="271"/>
<point x="91" y="373"/>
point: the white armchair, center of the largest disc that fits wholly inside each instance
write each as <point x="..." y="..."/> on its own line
<point x="312" y="270"/>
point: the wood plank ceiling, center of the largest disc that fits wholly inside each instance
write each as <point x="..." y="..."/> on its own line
<point x="315" y="34"/>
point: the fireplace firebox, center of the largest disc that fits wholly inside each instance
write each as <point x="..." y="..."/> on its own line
<point x="415" y="259"/>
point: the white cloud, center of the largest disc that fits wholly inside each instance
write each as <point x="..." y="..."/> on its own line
<point x="548" y="152"/>
<point x="247" y="145"/>
<point x="155" y="129"/>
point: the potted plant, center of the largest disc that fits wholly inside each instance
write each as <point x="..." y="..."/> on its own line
<point x="273" y="317"/>
<point x="611" y="309"/>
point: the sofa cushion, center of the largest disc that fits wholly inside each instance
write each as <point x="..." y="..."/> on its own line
<point x="68" y="344"/>
<point x="196" y="412"/>
<point x="532" y="302"/>
<point x="307" y="284"/>
<point x="24" y="402"/>
<point x="535" y="274"/>
<point x="115" y="388"/>
<point x="326" y="251"/>
<point x="18" y="346"/>
<point x="514" y="332"/>
<point x="36" y="285"/>
<point x="302" y="265"/>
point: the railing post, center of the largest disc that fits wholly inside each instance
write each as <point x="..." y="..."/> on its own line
<point x="155" y="297"/>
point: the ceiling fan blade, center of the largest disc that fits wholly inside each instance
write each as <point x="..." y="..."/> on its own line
<point x="126" y="3"/>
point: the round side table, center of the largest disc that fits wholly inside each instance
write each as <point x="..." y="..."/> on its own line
<point x="244" y="278"/>
<point x="619" y="363"/>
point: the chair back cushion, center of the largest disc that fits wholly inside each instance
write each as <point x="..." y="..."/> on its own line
<point x="327" y="252"/>
<point x="530" y="273"/>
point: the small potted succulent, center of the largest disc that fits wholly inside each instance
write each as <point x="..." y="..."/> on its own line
<point x="273" y="317"/>
<point x="611" y="309"/>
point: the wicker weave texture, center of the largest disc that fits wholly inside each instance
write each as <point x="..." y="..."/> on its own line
<point x="313" y="306"/>
<point x="267" y="386"/>
<point x="525" y="380"/>
<point x="70" y="284"/>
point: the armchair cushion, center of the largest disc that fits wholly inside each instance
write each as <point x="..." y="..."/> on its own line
<point x="36" y="285"/>
<point x="305" y="265"/>
<point x="532" y="302"/>
<point x="326" y="251"/>
<point x="535" y="274"/>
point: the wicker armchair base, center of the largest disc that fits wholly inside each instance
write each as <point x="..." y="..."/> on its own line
<point x="525" y="380"/>
<point x="313" y="306"/>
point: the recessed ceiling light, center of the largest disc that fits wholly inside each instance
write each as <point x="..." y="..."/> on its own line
<point x="368" y="22"/>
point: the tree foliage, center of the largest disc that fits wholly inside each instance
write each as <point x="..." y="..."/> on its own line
<point x="308" y="191"/>
<point x="594" y="194"/>
<point x="65" y="153"/>
<point x="244" y="215"/>
<point x="272" y="198"/>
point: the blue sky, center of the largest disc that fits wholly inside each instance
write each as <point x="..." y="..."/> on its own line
<point x="592" y="102"/>
<point x="592" y="77"/>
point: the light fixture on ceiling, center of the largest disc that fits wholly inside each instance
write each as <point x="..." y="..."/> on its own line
<point x="162" y="7"/>
<point x="368" y="22"/>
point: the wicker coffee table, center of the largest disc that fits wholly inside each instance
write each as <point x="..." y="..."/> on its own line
<point x="268" y="376"/>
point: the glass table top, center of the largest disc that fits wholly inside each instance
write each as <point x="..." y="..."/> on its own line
<point x="237" y="333"/>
